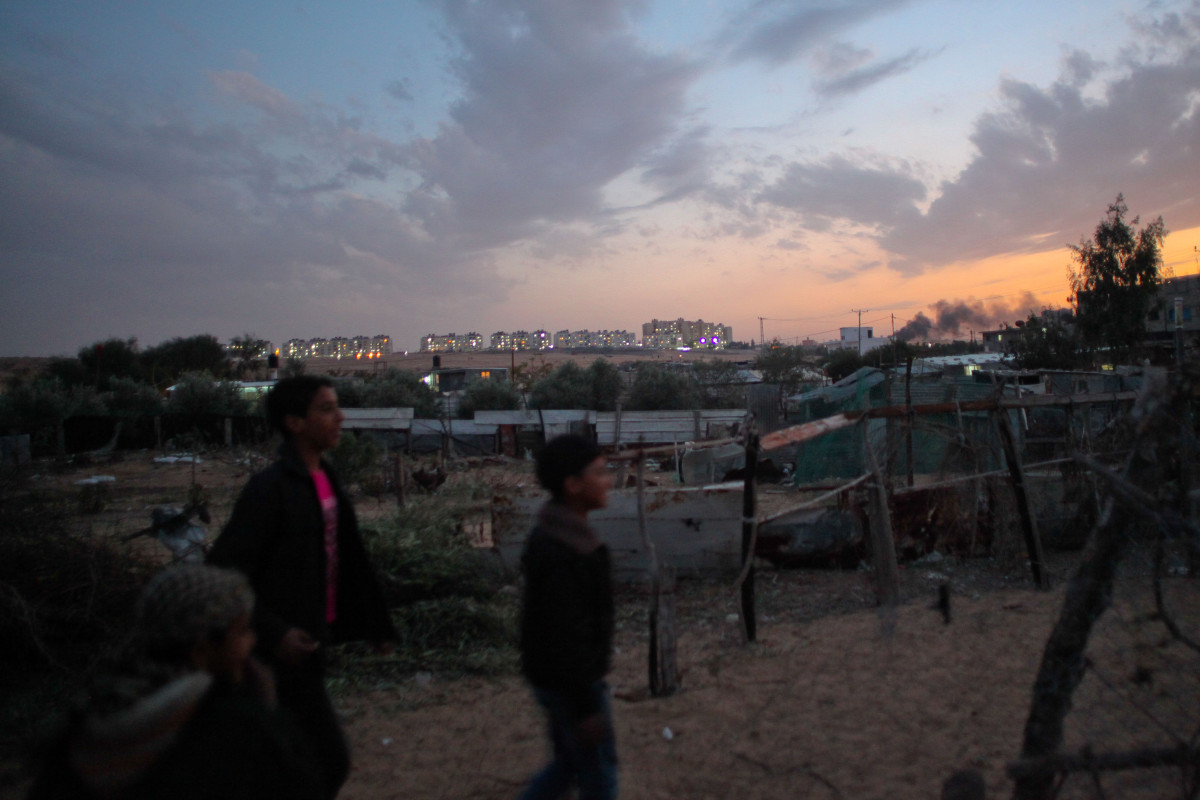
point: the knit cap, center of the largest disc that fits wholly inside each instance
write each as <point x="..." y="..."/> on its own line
<point x="185" y="603"/>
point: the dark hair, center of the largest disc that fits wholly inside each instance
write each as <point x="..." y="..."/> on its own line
<point x="293" y="397"/>
<point x="563" y="457"/>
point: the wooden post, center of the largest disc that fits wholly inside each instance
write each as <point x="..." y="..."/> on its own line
<point x="1033" y="541"/>
<point x="662" y="663"/>
<point x="883" y="544"/>
<point x="908" y="420"/>
<point x="399" y="477"/>
<point x="749" y="529"/>
<point x="668" y="665"/>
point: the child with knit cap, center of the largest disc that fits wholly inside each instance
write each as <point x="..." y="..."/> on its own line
<point x="184" y="712"/>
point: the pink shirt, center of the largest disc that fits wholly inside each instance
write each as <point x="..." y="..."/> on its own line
<point x="329" y="512"/>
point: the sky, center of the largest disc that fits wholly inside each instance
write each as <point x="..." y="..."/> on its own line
<point x="406" y="167"/>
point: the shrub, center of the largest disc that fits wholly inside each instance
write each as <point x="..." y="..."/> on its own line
<point x="357" y="460"/>
<point x="422" y="554"/>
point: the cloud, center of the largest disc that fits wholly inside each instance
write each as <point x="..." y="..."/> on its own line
<point x="856" y="80"/>
<point x="956" y="318"/>
<point x="558" y="100"/>
<point x="840" y="189"/>
<point x="399" y="90"/>
<point x="1051" y="159"/>
<point x="778" y="31"/>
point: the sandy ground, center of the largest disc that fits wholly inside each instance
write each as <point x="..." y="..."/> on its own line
<point x="852" y="705"/>
<point x="834" y="700"/>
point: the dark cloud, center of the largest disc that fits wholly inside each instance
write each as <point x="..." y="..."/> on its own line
<point x="957" y="318"/>
<point x="558" y="99"/>
<point x="399" y="90"/>
<point x="856" y="80"/>
<point x="1051" y="160"/>
<point x="778" y="31"/>
<point x="267" y="197"/>
<point x="839" y="189"/>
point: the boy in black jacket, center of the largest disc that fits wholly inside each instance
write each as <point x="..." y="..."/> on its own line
<point x="293" y="532"/>
<point x="567" y="623"/>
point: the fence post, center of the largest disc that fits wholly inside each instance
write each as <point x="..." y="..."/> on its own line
<point x="908" y="421"/>
<point x="749" y="529"/>
<point x="662" y="662"/>
<point x="883" y="544"/>
<point x="1033" y="541"/>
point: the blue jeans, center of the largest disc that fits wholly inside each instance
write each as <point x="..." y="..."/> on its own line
<point x="593" y="767"/>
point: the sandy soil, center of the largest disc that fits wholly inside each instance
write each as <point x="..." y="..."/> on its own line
<point x="850" y="705"/>
<point x="834" y="700"/>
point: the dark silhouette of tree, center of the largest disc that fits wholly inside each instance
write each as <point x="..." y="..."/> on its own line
<point x="392" y="388"/>
<point x="127" y="397"/>
<point x="783" y="365"/>
<point x="1114" y="282"/>
<point x="842" y="363"/>
<point x="165" y="363"/>
<point x="248" y="353"/>
<point x="596" y="387"/>
<point x="607" y="384"/>
<point x="488" y="396"/>
<point x="111" y="358"/>
<point x="719" y="384"/>
<point x="1044" y="341"/>
<point x="569" y="386"/>
<point x="656" y="388"/>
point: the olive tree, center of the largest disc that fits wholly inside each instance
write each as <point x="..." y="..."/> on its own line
<point x="1115" y="279"/>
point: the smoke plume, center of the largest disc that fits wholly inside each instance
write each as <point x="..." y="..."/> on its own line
<point x="954" y="319"/>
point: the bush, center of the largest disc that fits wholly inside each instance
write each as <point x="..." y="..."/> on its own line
<point x="198" y="394"/>
<point x="422" y="554"/>
<point x="488" y="396"/>
<point x="65" y="598"/>
<point x="656" y="388"/>
<point x="357" y="461"/>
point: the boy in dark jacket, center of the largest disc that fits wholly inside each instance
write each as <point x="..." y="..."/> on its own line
<point x="567" y="622"/>
<point x="294" y="533"/>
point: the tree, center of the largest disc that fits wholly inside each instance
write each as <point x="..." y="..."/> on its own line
<point x="607" y="384"/>
<point x="199" y="394"/>
<point x="166" y="362"/>
<point x="842" y="363"/>
<point x="292" y="367"/>
<point x="111" y="358"/>
<point x="488" y="396"/>
<point x="1044" y="342"/>
<point x="569" y="386"/>
<point x="127" y="397"/>
<point x="656" y="388"/>
<point x="248" y="353"/>
<point x="393" y="388"/>
<point x="719" y="384"/>
<point x="528" y="373"/>
<point x="39" y="406"/>
<point x="1116" y="277"/>
<point x="782" y="365"/>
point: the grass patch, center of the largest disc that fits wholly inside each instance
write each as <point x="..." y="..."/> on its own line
<point x="444" y="595"/>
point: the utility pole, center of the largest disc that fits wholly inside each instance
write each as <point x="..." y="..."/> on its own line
<point x="860" y="312"/>
<point x="762" y="339"/>
<point x="895" y="344"/>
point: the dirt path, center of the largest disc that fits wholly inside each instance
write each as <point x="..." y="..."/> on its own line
<point x="848" y="706"/>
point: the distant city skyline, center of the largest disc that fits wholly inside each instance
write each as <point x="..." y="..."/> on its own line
<point x="184" y="168"/>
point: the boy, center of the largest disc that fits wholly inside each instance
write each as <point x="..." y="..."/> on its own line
<point x="294" y="533"/>
<point x="185" y="713"/>
<point x="567" y="622"/>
